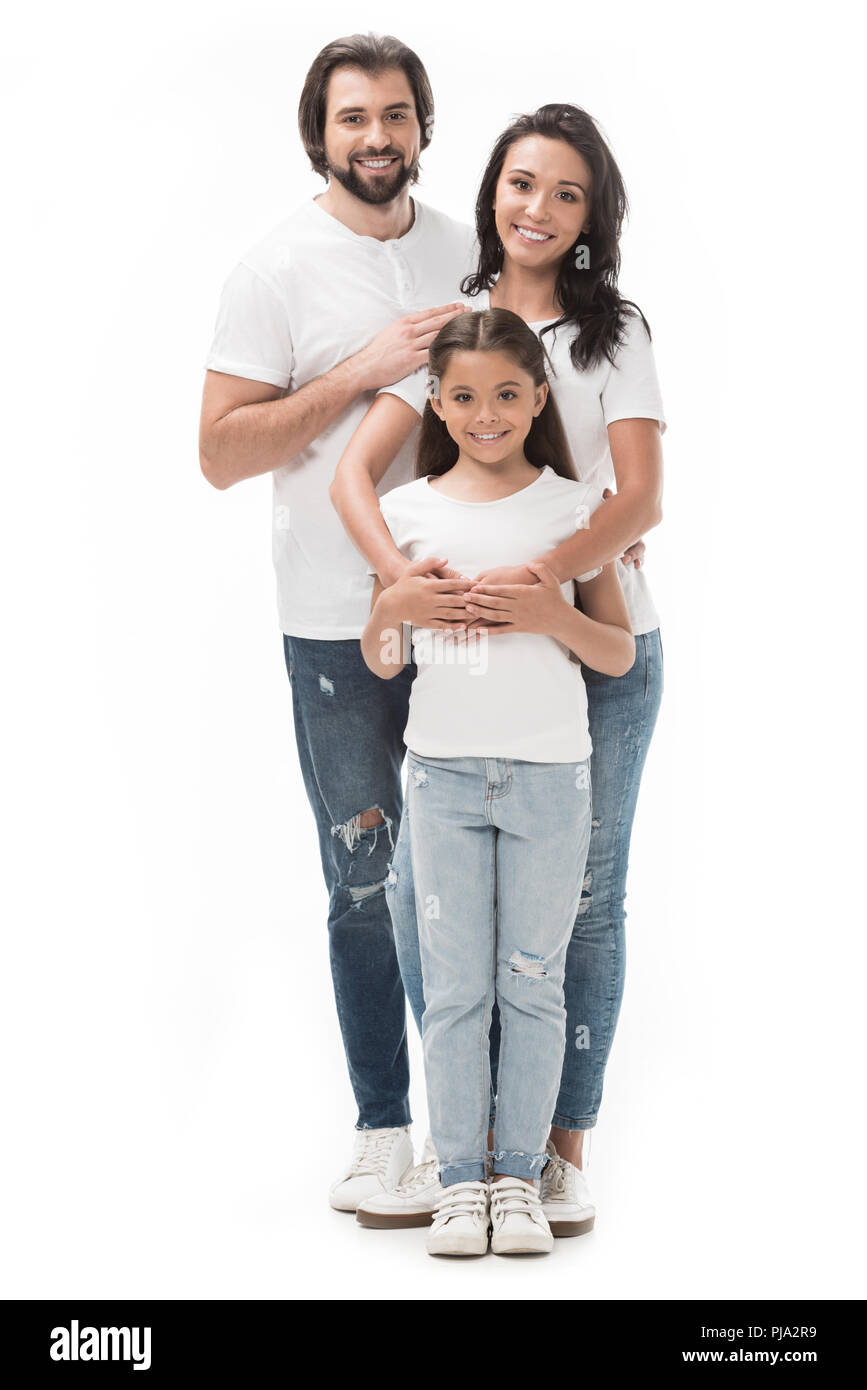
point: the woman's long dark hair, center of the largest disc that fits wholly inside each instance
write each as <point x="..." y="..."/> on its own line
<point x="589" y="297"/>
<point x="494" y="330"/>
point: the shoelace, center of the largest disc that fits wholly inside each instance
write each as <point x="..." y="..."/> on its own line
<point x="372" y="1152"/>
<point x="513" y="1197"/>
<point x="421" y="1176"/>
<point x="554" y="1176"/>
<point x="461" y="1199"/>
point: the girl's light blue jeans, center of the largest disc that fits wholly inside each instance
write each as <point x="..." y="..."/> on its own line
<point x="498" y="853"/>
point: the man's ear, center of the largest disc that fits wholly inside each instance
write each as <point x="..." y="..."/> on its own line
<point x="541" y="398"/>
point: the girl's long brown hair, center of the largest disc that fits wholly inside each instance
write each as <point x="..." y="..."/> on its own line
<point x="492" y="330"/>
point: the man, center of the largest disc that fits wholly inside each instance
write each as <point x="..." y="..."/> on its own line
<point x="329" y="307"/>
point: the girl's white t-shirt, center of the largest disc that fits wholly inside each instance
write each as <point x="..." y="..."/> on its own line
<point x="513" y="695"/>
<point x="588" y="401"/>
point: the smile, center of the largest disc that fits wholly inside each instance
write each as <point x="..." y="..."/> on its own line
<point x="375" y="163"/>
<point x="527" y="235"/>
<point x="487" y="438"/>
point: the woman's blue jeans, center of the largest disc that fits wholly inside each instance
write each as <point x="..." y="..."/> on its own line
<point x="622" y="713"/>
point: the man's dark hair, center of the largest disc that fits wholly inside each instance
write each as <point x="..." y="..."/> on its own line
<point x="370" y="53"/>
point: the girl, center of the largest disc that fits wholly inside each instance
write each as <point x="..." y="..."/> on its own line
<point x="548" y="218"/>
<point x="499" y="772"/>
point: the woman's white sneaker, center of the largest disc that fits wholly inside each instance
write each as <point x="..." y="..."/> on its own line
<point x="460" y="1224"/>
<point x="566" y="1199"/>
<point x="519" y="1226"/>
<point x="379" y="1160"/>
<point x="411" y="1202"/>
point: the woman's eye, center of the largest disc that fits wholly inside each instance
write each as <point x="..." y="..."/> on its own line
<point x="566" y="194"/>
<point x="520" y="184"/>
<point x="507" y="395"/>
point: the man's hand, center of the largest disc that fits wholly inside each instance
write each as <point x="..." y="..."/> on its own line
<point x="429" y="594"/>
<point x="401" y="348"/>
<point x="521" y="607"/>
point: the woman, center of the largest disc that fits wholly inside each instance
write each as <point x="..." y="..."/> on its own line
<point x="548" y="216"/>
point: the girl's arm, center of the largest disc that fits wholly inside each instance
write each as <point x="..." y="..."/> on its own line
<point x="382" y="639"/>
<point x="366" y="459"/>
<point x="600" y="635"/>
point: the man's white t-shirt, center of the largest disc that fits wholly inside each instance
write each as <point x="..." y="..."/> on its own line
<point x="516" y="694"/>
<point x="589" y="401"/>
<point x="307" y="296"/>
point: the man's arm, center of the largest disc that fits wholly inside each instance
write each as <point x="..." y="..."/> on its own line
<point x="251" y="427"/>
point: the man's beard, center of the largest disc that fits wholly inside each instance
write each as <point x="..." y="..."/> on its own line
<point x="379" y="190"/>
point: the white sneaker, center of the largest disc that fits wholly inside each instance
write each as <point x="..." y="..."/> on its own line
<point x="566" y="1199"/>
<point x="411" y="1202"/>
<point x="519" y="1224"/>
<point x="460" y="1224"/>
<point x="379" y="1160"/>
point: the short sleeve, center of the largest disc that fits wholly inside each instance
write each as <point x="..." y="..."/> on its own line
<point x="252" y="337"/>
<point x="584" y="510"/>
<point x="412" y="389"/>
<point x="631" y="389"/>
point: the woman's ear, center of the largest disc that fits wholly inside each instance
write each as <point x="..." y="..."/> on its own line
<point x="541" y="398"/>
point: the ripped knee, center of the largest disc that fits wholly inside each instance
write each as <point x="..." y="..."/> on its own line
<point x="372" y="819"/>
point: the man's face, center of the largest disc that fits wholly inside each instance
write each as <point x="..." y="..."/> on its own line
<point x="372" y="135"/>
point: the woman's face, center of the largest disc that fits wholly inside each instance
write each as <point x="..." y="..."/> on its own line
<point x="542" y="201"/>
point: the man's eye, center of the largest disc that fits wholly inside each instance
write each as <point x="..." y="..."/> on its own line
<point x="399" y="115"/>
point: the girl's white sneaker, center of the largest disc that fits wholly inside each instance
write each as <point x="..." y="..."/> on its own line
<point x="460" y="1221"/>
<point x="519" y="1224"/>
<point x="566" y="1199"/>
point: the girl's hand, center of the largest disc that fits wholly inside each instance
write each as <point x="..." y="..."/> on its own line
<point x="522" y="607"/>
<point x="428" y="594"/>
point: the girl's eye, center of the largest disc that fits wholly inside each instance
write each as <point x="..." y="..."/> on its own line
<point x="462" y="397"/>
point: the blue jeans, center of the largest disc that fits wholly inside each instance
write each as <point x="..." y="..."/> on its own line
<point x="622" y="713"/>
<point x="498" y="850"/>
<point x="349" y="730"/>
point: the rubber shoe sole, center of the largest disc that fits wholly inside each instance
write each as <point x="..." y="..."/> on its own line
<point x="562" y="1229"/>
<point x="397" y="1221"/>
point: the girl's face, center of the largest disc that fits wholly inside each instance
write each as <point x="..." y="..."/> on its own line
<point x="488" y="404"/>
<point x="542" y="201"/>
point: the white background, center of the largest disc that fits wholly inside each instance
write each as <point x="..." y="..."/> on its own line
<point x="174" y="1092"/>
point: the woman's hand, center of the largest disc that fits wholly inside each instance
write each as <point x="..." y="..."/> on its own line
<point x="536" y="606"/>
<point x="429" y="594"/>
<point x="634" y="556"/>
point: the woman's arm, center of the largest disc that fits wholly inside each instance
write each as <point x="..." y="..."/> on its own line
<point x="366" y="459"/>
<point x="636" y="507"/>
<point x="600" y="635"/>
<point x="382" y="639"/>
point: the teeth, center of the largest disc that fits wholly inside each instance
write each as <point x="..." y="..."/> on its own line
<point x="532" y="236"/>
<point x="375" y="163"/>
<point x="489" y="436"/>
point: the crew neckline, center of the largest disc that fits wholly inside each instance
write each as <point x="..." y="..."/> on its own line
<point x="531" y="323"/>
<point x="406" y="239"/>
<point x="494" y="502"/>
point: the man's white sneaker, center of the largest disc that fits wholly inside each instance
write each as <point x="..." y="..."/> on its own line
<point x="460" y="1224"/>
<point x="518" y="1223"/>
<point x="379" y="1160"/>
<point x="411" y="1202"/>
<point x="566" y="1199"/>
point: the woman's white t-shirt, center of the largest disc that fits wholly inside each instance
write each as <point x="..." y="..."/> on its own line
<point x="589" y="401"/>
<point x="512" y="695"/>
